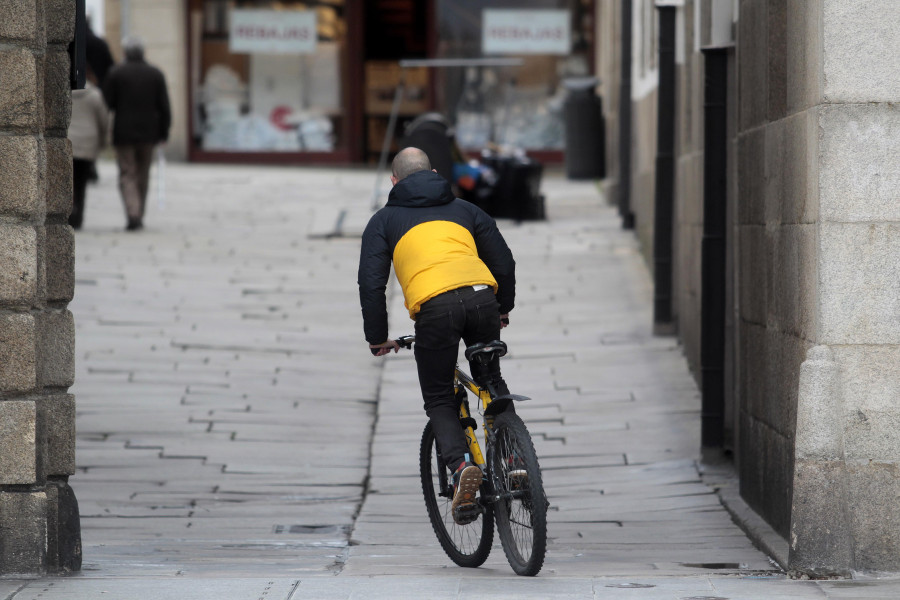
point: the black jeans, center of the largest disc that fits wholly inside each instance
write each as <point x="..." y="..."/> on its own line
<point x="473" y="316"/>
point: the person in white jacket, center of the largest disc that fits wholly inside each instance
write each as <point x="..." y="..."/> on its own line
<point x="88" y="132"/>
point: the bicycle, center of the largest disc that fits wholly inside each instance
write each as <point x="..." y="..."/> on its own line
<point x="511" y="493"/>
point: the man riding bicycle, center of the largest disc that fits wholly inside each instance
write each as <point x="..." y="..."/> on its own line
<point x="458" y="281"/>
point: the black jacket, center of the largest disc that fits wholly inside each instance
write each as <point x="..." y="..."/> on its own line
<point x="437" y="243"/>
<point x="136" y="91"/>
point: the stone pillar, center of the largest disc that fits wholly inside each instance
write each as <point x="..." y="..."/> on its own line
<point x="820" y="525"/>
<point x="855" y="127"/>
<point x="39" y="525"/>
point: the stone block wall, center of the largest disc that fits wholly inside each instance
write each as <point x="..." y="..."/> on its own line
<point x="775" y="230"/>
<point x="858" y="312"/>
<point x="813" y="255"/>
<point x="39" y="530"/>
<point x="688" y="215"/>
<point x="643" y="169"/>
<point x="819" y="278"/>
<point x="608" y="38"/>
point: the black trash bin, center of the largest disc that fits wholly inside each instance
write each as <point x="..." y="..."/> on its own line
<point x="585" y="130"/>
<point x="430" y="132"/>
<point x="517" y="191"/>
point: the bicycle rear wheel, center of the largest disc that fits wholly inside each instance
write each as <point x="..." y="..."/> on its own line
<point x="466" y="545"/>
<point x="521" y="510"/>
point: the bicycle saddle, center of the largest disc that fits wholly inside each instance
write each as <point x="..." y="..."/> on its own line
<point x="484" y="353"/>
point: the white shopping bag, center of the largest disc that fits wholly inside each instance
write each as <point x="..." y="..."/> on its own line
<point x="160" y="178"/>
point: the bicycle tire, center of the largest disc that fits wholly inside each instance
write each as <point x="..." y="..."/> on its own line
<point x="466" y="545"/>
<point x="521" y="508"/>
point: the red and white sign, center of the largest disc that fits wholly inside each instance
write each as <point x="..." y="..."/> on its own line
<point x="273" y="32"/>
<point x="526" y="32"/>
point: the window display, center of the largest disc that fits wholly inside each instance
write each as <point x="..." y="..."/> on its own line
<point x="266" y="76"/>
<point x="515" y="106"/>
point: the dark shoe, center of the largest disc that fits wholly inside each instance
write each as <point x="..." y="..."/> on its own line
<point x="466" y="482"/>
<point x="134" y="225"/>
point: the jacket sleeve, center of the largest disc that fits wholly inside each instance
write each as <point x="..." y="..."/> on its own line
<point x="494" y="252"/>
<point x="374" y="270"/>
<point x="109" y="90"/>
<point x="162" y="107"/>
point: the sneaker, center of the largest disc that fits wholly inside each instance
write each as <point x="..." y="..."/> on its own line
<point x="466" y="482"/>
<point x="516" y="474"/>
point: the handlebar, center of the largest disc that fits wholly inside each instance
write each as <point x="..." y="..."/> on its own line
<point x="404" y="341"/>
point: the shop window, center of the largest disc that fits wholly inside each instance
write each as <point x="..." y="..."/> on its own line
<point x="266" y="76"/>
<point x="516" y="106"/>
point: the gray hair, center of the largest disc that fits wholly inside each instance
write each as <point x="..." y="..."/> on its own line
<point x="133" y="46"/>
<point x="408" y="161"/>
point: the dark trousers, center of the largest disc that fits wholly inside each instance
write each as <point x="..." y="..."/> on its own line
<point x="81" y="172"/>
<point x="134" y="177"/>
<point x="473" y="316"/>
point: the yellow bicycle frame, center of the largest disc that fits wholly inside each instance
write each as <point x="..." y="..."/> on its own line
<point x="484" y="398"/>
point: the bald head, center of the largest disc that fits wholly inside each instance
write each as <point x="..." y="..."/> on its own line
<point x="408" y="161"/>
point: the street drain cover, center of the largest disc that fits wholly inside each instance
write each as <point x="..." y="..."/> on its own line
<point x="630" y="586"/>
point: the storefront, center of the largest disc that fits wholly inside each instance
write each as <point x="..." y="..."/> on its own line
<point x="313" y="81"/>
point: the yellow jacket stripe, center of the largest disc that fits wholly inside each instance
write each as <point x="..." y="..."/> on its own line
<point x="435" y="257"/>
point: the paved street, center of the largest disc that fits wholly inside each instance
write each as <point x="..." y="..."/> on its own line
<point x="237" y="441"/>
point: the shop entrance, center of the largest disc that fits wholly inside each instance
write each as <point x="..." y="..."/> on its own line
<point x="395" y="30"/>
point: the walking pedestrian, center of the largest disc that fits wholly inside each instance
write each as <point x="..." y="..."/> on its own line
<point x="136" y="92"/>
<point x="99" y="61"/>
<point x="98" y="57"/>
<point x="87" y="132"/>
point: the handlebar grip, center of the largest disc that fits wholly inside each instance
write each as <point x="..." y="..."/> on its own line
<point x="405" y="341"/>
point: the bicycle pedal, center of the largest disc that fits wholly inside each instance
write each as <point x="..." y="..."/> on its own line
<point x="466" y="513"/>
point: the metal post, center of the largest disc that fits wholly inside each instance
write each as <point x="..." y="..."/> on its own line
<point x="625" y="120"/>
<point x="665" y="175"/>
<point x="713" y="279"/>
<point x="77" y="49"/>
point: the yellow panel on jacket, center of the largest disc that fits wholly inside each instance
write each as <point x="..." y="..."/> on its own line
<point x="436" y="257"/>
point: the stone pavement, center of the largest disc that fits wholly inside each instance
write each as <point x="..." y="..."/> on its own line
<point x="236" y="440"/>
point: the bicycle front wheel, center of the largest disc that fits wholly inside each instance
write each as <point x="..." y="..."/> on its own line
<point x="466" y="545"/>
<point x="521" y="508"/>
